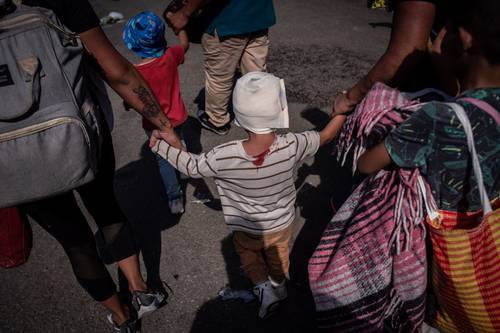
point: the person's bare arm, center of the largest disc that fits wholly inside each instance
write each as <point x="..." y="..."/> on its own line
<point x="411" y="28"/>
<point x="332" y="129"/>
<point x="124" y="79"/>
<point x="180" y="19"/>
<point x="374" y="159"/>
<point x="183" y="40"/>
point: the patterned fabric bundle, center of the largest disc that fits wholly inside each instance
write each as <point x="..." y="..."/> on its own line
<point x="369" y="269"/>
<point x="379" y="112"/>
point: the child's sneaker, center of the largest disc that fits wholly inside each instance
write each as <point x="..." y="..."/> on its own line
<point x="146" y="302"/>
<point x="279" y="289"/>
<point x="268" y="298"/>
<point x="176" y="206"/>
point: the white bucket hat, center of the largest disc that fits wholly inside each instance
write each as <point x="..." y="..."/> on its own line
<point x="259" y="103"/>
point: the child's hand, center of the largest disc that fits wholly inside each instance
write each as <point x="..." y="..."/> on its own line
<point x="183" y="40"/>
<point x="177" y="21"/>
<point x="169" y="136"/>
<point x="442" y="54"/>
<point x="435" y="47"/>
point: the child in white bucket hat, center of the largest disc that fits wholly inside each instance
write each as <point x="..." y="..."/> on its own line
<point x="259" y="103"/>
<point x="254" y="178"/>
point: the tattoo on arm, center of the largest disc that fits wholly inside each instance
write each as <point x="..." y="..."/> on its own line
<point x="165" y="123"/>
<point x="150" y="109"/>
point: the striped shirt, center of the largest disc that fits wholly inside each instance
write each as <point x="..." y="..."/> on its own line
<point x="255" y="199"/>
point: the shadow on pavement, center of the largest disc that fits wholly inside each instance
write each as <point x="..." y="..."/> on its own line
<point x="140" y="192"/>
<point x="192" y="134"/>
<point x="218" y="316"/>
<point x="317" y="204"/>
<point x="221" y="316"/>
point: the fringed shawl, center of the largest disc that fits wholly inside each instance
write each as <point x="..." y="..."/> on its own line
<point x="369" y="269"/>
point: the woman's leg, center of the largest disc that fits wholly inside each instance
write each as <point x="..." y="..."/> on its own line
<point x="119" y="311"/>
<point x="130" y="268"/>
<point x="115" y="238"/>
<point x="61" y="217"/>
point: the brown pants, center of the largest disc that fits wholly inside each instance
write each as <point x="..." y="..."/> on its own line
<point x="264" y="255"/>
<point x="222" y="58"/>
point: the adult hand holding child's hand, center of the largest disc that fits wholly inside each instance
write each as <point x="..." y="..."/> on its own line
<point x="342" y="104"/>
<point x="177" y="21"/>
<point x="169" y="136"/>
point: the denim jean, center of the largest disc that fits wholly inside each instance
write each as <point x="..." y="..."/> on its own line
<point x="168" y="173"/>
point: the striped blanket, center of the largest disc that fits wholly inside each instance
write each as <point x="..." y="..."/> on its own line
<point x="369" y="270"/>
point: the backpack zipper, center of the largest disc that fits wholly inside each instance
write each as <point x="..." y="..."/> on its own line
<point x="42" y="127"/>
<point x="31" y="18"/>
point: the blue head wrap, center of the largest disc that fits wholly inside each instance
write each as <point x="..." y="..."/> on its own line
<point x="144" y="34"/>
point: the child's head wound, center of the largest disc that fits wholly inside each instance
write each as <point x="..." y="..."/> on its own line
<point x="259" y="103"/>
<point x="144" y="34"/>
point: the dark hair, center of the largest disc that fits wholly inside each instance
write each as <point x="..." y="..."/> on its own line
<point x="6" y="7"/>
<point x="482" y="19"/>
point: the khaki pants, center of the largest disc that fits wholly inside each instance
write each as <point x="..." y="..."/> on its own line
<point x="264" y="255"/>
<point x="222" y="58"/>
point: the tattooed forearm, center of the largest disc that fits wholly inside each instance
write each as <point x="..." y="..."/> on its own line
<point x="165" y="123"/>
<point x="151" y="108"/>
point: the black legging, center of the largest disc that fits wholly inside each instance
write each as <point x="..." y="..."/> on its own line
<point x="62" y="218"/>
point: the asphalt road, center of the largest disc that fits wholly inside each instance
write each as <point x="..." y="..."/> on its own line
<point x="319" y="47"/>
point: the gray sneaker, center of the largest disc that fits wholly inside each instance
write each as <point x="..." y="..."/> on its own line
<point x="176" y="206"/>
<point x="129" y="326"/>
<point x="146" y="302"/>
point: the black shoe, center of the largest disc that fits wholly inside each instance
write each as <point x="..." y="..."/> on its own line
<point x="206" y="123"/>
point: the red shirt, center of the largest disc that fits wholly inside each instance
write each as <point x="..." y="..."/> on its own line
<point x="162" y="76"/>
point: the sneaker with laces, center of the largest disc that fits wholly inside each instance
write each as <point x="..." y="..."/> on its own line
<point x="176" y="206"/>
<point x="129" y="326"/>
<point x="146" y="302"/>
<point x="204" y="120"/>
<point x="268" y="298"/>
